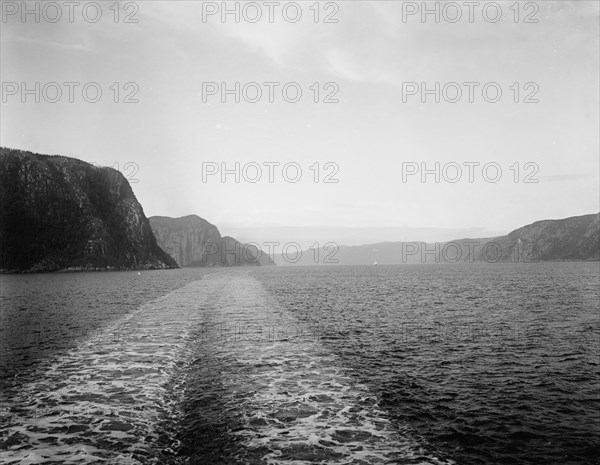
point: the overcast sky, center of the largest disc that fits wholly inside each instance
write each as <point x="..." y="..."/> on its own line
<point x="367" y="55"/>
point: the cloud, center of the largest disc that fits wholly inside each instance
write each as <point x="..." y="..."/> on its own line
<point x="85" y="47"/>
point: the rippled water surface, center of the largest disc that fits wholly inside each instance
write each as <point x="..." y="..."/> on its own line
<point x="472" y="364"/>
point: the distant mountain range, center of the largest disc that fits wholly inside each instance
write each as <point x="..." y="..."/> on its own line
<point x="570" y="239"/>
<point x="60" y="213"/>
<point x="193" y="241"/>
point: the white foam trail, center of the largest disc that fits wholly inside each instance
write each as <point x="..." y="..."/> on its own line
<point x="300" y="403"/>
<point x="112" y="398"/>
<point x="103" y="400"/>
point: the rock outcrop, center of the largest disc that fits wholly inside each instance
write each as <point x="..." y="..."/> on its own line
<point x="193" y="241"/>
<point x="60" y="213"/>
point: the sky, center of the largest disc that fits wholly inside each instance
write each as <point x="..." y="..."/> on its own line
<point x="374" y="135"/>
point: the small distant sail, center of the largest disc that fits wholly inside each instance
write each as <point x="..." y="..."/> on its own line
<point x="519" y="250"/>
<point x="375" y="263"/>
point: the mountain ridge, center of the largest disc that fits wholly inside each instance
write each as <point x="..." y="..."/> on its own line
<point x="60" y="213"/>
<point x="576" y="238"/>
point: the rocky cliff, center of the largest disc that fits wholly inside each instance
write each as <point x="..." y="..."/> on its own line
<point x="193" y="241"/>
<point x="61" y="213"/>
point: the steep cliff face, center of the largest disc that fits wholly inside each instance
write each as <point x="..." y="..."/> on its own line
<point x="62" y="213"/>
<point x="186" y="238"/>
<point x="193" y="241"/>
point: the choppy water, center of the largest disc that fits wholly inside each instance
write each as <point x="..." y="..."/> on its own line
<point x="356" y="365"/>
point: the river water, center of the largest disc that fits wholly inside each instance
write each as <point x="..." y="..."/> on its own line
<point x="465" y="364"/>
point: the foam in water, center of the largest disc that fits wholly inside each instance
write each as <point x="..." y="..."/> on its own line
<point x="108" y="398"/>
<point x="119" y="396"/>
<point x="296" y="401"/>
